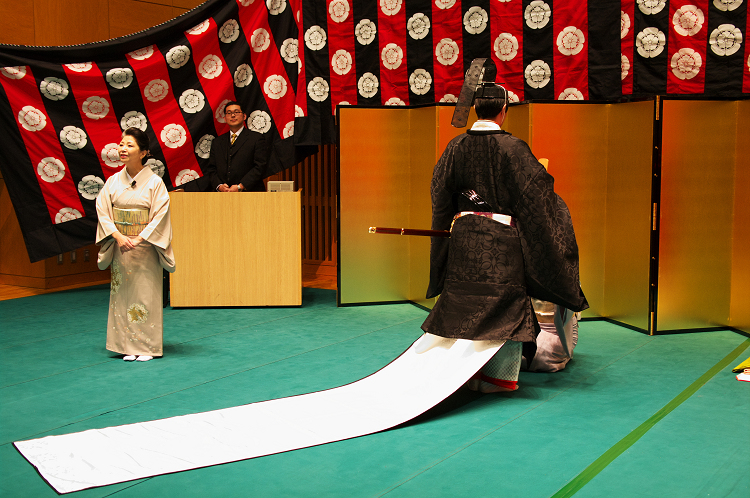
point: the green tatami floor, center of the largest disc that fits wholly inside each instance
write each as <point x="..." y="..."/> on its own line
<point x="632" y="415"/>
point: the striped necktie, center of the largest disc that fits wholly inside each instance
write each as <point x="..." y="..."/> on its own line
<point x="233" y="138"/>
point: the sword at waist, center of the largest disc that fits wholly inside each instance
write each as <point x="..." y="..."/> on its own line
<point x="410" y="231"/>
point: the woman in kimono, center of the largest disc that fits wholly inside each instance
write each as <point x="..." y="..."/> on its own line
<point x="135" y="235"/>
<point x="511" y="239"/>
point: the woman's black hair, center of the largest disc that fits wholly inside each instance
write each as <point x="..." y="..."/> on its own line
<point x="140" y="137"/>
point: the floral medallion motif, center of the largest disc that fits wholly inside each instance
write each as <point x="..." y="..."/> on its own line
<point x="341" y="62"/>
<point x="156" y="90"/>
<point x="392" y="56"/>
<point x="624" y="24"/>
<point x="120" y="77"/>
<point x="506" y="46"/>
<point x="14" y="72"/>
<point x="290" y="50"/>
<point x="727" y="5"/>
<point x="260" y="40"/>
<point x="31" y="118"/>
<point x="420" y="81"/>
<point x="624" y="66"/>
<point x="50" y="169"/>
<point x="203" y="148"/>
<point x="365" y="31"/>
<point x="186" y="175"/>
<point x="243" y="75"/>
<point x="142" y="53"/>
<point x="315" y="38"/>
<point x="368" y="85"/>
<point x="95" y="107"/>
<point x="538" y="74"/>
<point x="156" y="166"/>
<point x="192" y="101"/>
<point x="298" y="112"/>
<point x="178" y="56"/>
<point x="537" y="14"/>
<point x="418" y="26"/>
<point x="82" y="67"/>
<point x="110" y="155"/>
<point x="54" y="88"/>
<point x="686" y="63"/>
<point x="726" y="39"/>
<point x="449" y="97"/>
<point x="650" y="7"/>
<point x="134" y="119"/>
<point x="276" y="7"/>
<point x="201" y="28"/>
<point x="390" y="7"/>
<point x="219" y="114"/>
<point x="446" y="51"/>
<point x="445" y="4"/>
<point x="210" y="67"/>
<point x="688" y="20"/>
<point x="275" y="86"/>
<point x="650" y="42"/>
<point x="67" y="214"/>
<point x="338" y="10"/>
<point x="173" y="136"/>
<point x="288" y="130"/>
<point x="137" y="313"/>
<point x="475" y="20"/>
<point x="570" y="41"/>
<point x="229" y="31"/>
<point x="570" y="94"/>
<point x="73" y="137"/>
<point x="394" y="101"/>
<point x="89" y="186"/>
<point x="317" y="89"/>
<point x="259" y="121"/>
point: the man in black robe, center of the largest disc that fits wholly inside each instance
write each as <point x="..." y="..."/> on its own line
<point x="511" y="239"/>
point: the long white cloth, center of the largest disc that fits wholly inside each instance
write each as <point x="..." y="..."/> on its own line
<point x="420" y="378"/>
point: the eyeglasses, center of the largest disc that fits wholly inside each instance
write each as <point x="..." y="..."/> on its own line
<point x="232" y="113"/>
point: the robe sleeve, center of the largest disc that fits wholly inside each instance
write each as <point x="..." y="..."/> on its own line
<point x="105" y="226"/>
<point x="158" y="232"/>
<point x="549" y="245"/>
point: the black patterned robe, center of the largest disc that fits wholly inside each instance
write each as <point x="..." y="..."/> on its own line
<point x="486" y="271"/>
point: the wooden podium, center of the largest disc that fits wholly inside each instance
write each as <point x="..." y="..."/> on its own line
<point x="236" y="249"/>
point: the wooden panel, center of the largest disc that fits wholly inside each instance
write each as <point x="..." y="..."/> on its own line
<point x="238" y="249"/>
<point x="185" y="4"/>
<point x="16" y="23"/>
<point x="740" y="310"/>
<point x="73" y="22"/>
<point x="131" y="16"/>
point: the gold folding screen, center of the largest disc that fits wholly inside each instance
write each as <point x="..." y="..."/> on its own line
<point x="603" y="158"/>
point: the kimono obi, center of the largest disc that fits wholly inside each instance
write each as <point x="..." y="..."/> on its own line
<point x="501" y="218"/>
<point x="130" y="221"/>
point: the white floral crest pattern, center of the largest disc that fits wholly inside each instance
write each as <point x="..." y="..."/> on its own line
<point x="73" y="137"/>
<point x="512" y="97"/>
<point x="446" y="51"/>
<point x="210" y="67"/>
<point x="390" y="7"/>
<point x="449" y="97"/>
<point x="624" y="66"/>
<point x="142" y="53"/>
<point x="275" y="86"/>
<point x="54" y="88"/>
<point x="288" y="130"/>
<point x="156" y="166"/>
<point x="120" y="77"/>
<point x="445" y="4"/>
<point x="368" y="85"/>
<point x="201" y="28"/>
<point x="259" y="121"/>
<point x="290" y="50"/>
<point x="111" y="156"/>
<point x="315" y="38"/>
<point x="229" y="31"/>
<point x="186" y="175"/>
<point x="260" y="40"/>
<point x="156" y="90"/>
<point x="89" y="186"/>
<point x="276" y="7"/>
<point x="203" y="148"/>
<point x="50" y="169"/>
<point x="31" y="118"/>
<point x="394" y="101"/>
<point x="688" y="20"/>
<point x="173" y="136"/>
<point x="418" y="26"/>
<point x="506" y="46"/>
<point x="686" y="63"/>
<point x="82" y="67"/>
<point x="67" y="214"/>
<point x="243" y="75"/>
<point x="341" y="62"/>
<point x="624" y="24"/>
<point x="537" y="74"/>
<point x="298" y="112"/>
<point x="650" y="42"/>
<point x="317" y="89"/>
<point x="134" y="119"/>
<point x="570" y="41"/>
<point x="192" y="101"/>
<point x="570" y="94"/>
<point x="726" y="39"/>
<point x="475" y="20"/>
<point x="420" y="81"/>
<point x="14" y="72"/>
<point x="338" y="10"/>
<point x="365" y="31"/>
<point x="727" y="5"/>
<point x="219" y="114"/>
<point x="537" y="14"/>
<point x="650" y="7"/>
<point x="95" y="107"/>
<point x="178" y="56"/>
<point x="392" y="56"/>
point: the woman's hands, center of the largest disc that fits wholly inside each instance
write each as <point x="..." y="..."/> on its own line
<point x="126" y="243"/>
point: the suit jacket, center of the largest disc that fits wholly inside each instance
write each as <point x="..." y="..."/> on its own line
<point x="242" y="162"/>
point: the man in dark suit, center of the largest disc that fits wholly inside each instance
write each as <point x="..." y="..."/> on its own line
<point x="238" y="158"/>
